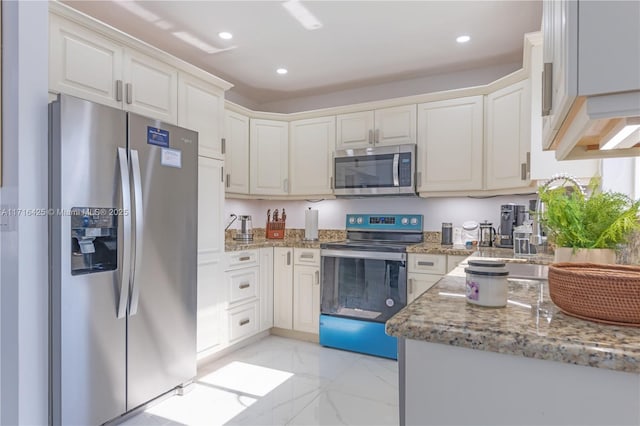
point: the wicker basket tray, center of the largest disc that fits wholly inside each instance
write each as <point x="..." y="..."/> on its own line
<point x="597" y="292"/>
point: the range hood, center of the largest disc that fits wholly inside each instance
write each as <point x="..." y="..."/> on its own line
<point x="600" y="127"/>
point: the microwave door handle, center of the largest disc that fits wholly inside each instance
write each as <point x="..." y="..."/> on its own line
<point x="396" y="169"/>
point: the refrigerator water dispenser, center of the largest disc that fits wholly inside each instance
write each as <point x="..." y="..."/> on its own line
<point x="94" y="240"/>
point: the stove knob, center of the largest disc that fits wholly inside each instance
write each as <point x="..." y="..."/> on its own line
<point x="359" y="220"/>
<point x="404" y="221"/>
<point x="414" y="221"/>
<point x="352" y="220"/>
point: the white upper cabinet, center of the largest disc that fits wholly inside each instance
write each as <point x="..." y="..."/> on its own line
<point x="84" y="64"/>
<point x="201" y="108"/>
<point x="561" y="69"/>
<point x="90" y="66"/>
<point x="311" y="147"/>
<point x="543" y="163"/>
<point x="591" y="55"/>
<point x="269" y="157"/>
<point x="150" y="87"/>
<point x="236" y="153"/>
<point x="386" y="126"/>
<point x="450" y="155"/>
<point x="508" y="137"/>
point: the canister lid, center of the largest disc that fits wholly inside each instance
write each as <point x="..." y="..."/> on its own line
<point x="485" y="263"/>
<point x="491" y="272"/>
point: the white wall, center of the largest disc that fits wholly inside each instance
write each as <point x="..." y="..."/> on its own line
<point x="395" y="89"/>
<point x="331" y="213"/>
<point x="23" y="242"/>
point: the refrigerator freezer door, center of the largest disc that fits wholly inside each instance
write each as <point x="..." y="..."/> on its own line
<point x="88" y="351"/>
<point x="161" y="347"/>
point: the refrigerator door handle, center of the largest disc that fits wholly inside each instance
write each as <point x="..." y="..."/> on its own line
<point x="126" y="220"/>
<point x="139" y="224"/>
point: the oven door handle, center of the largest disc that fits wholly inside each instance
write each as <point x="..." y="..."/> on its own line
<point x="359" y="254"/>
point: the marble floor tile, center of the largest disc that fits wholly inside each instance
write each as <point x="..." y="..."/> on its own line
<point x="278" y="381"/>
<point x="333" y="407"/>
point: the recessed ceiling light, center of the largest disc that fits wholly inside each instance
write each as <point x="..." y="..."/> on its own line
<point x="282" y="71"/>
<point x="225" y="35"/>
<point x="463" y="39"/>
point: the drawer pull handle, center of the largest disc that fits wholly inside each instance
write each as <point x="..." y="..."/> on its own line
<point x="425" y="263"/>
<point x="306" y="256"/>
<point x="244" y="258"/>
<point x="244" y="322"/>
<point x="244" y="285"/>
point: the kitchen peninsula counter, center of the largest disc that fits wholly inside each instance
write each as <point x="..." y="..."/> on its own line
<point x="526" y="363"/>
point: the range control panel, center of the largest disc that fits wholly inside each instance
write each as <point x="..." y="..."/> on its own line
<point x="384" y="222"/>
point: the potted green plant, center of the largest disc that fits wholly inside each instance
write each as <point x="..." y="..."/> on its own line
<point x="588" y="228"/>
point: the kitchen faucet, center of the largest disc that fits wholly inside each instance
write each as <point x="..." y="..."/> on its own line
<point x="538" y="237"/>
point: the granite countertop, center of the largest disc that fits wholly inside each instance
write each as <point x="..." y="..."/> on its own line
<point x="292" y="238"/>
<point x="530" y="325"/>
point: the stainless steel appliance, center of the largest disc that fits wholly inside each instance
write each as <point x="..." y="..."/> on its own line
<point x="511" y="215"/>
<point x="364" y="282"/>
<point x="387" y="170"/>
<point x="123" y="253"/>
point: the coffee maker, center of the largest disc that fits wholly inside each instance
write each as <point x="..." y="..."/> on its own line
<point x="511" y="215"/>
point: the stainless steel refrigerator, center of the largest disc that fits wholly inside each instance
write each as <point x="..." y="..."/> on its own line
<point x="123" y="260"/>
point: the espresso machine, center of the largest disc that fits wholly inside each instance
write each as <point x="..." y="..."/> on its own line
<point x="511" y="215"/>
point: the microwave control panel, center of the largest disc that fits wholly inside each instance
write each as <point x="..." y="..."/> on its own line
<point x="404" y="169"/>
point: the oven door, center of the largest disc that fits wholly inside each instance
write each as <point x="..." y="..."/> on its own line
<point x="365" y="285"/>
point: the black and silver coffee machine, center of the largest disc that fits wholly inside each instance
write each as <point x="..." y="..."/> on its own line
<point x="511" y="215"/>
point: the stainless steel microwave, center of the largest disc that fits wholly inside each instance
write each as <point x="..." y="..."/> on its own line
<point x="385" y="170"/>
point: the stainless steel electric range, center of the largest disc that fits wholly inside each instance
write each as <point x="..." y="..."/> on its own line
<point x="364" y="281"/>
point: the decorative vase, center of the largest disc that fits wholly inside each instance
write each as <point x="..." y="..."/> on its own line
<point x="569" y="254"/>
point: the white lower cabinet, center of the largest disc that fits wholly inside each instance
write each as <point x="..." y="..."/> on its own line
<point x="296" y="289"/>
<point x="419" y="283"/>
<point x="453" y="261"/>
<point x="266" y="288"/>
<point x="283" y="287"/>
<point x="306" y="290"/>
<point x="425" y="270"/>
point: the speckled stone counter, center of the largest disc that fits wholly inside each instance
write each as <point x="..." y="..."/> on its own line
<point x="292" y="238"/>
<point x="530" y="326"/>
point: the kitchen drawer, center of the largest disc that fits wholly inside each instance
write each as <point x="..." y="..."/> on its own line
<point x="243" y="321"/>
<point x="428" y="263"/>
<point x="243" y="284"/>
<point x="303" y="256"/>
<point x="242" y="259"/>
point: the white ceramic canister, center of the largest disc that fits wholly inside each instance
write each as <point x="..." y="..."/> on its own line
<point x="486" y="283"/>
